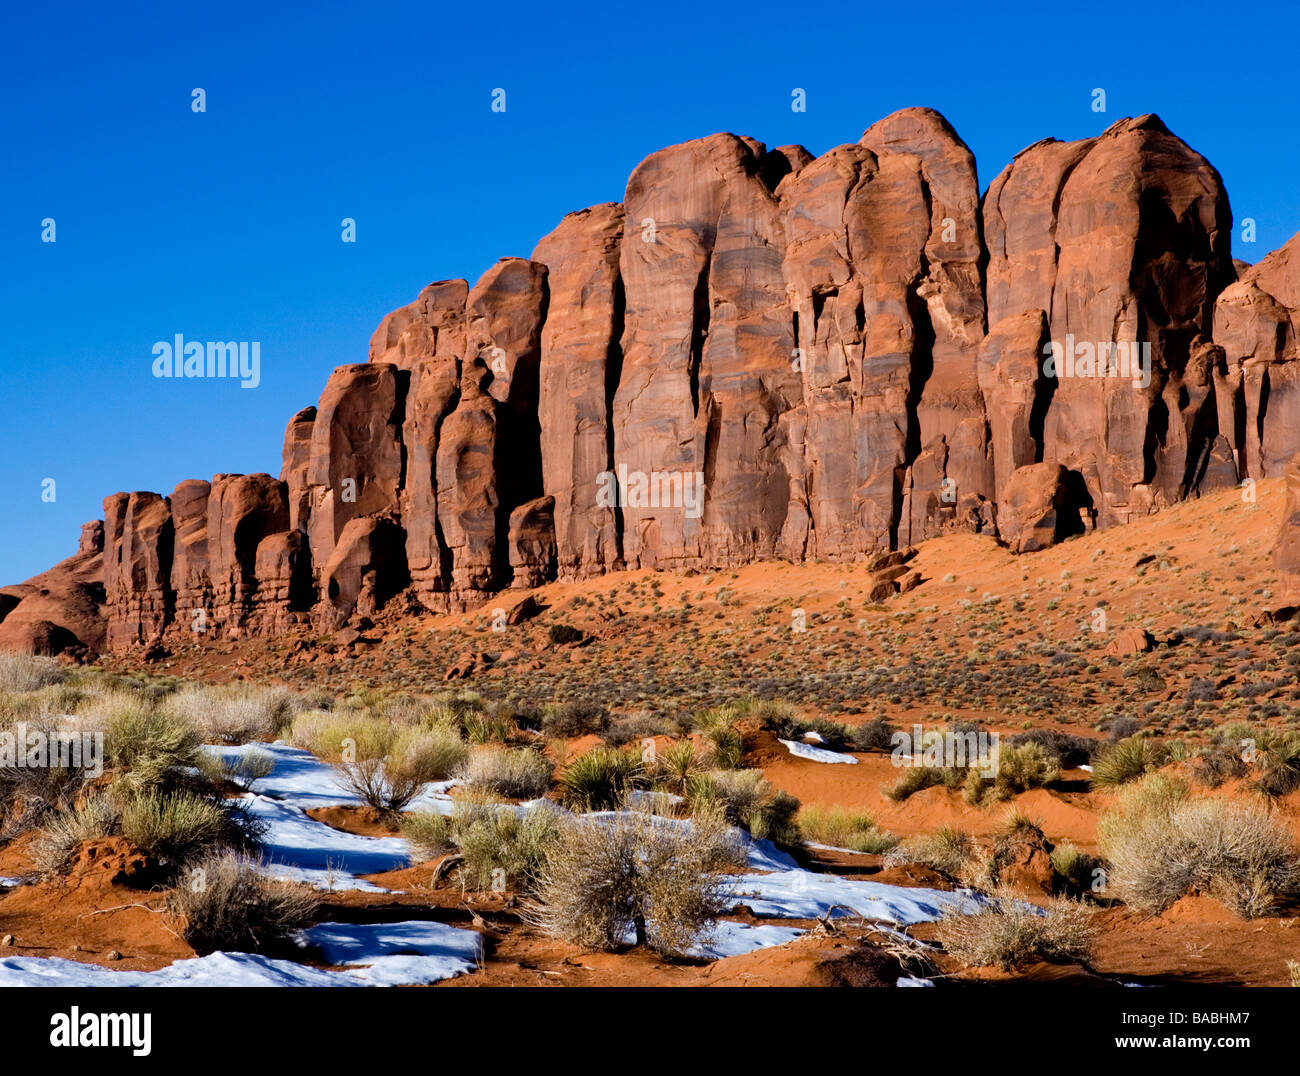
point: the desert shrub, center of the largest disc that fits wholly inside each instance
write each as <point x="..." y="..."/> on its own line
<point x="328" y="734"/>
<point x="1008" y="933"/>
<point x="28" y="672"/>
<point x="574" y="719"/>
<point x="1121" y="728"/>
<point x="1127" y="760"/>
<point x="745" y="798"/>
<point x="233" y="713"/>
<point x="1068" y="751"/>
<point x="675" y="765"/>
<point x="429" y="834"/>
<point x="601" y="779"/>
<point x="564" y="634"/>
<point x="243" y="769"/>
<point x="29" y="793"/>
<point x="1023" y="767"/>
<point x="1075" y="869"/>
<point x="516" y="773"/>
<point x="874" y="735"/>
<point x="1162" y="843"/>
<point x="636" y="727"/>
<point x="718" y="727"/>
<point x="1217" y="764"/>
<point x="415" y="757"/>
<point x="95" y="817"/>
<point x="916" y="778"/>
<point x="502" y="846"/>
<point x="842" y="828"/>
<point x="636" y="876"/>
<point x="226" y="903"/>
<point x="1277" y="757"/>
<point x="150" y="745"/>
<point x="482" y="727"/>
<point x="182" y="827"/>
<point x="946" y="850"/>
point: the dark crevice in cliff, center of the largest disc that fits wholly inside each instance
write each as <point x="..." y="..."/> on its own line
<point x="613" y="375"/>
<point x="699" y="331"/>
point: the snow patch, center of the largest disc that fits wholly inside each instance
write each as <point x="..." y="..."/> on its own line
<point x="817" y="754"/>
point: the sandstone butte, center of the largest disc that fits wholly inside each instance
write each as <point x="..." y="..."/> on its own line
<point x="849" y="350"/>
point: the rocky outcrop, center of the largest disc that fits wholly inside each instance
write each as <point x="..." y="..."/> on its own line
<point x="757" y="354"/>
<point x="60" y="610"/>
<point x="1122" y="240"/>
<point x="580" y="368"/>
<point x="243" y="511"/>
<point x="138" y="540"/>
<point x="1287" y="551"/>
<point x="1257" y="383"/>
<point x="354" y="466"/>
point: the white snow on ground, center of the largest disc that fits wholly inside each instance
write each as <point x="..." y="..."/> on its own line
<point x="9" y="883"/>
<point x="912" y="980"/>
<point x="407" y="953"/>
<point x="398" y="954"/>
<point x="817" y="754"/>
<point x="736" y="939"/>
<point x="444" y="957"/>
<point x="303" y="778"/>
<point x="800" y="894"/>
<point x="300" y="849"/>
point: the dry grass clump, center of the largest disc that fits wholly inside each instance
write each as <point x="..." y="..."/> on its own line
<point x="151" y="747"/>
<point x="843" y="828"/>
<point x="172" y="829"/>
<point x="636" y="876"/>
<point x="949" y="851"/>
<point x="234" y="713"/>
<point x="403" y="763"/>
<point x="746" y="798"/>
<point x="515" y="773"/>
<point x="1008" y="933"/>
<point x="225" y="902"/>
<point x="503" y="848"/>
<point x="28" y="672"/>
<point x="1162" y="844"/>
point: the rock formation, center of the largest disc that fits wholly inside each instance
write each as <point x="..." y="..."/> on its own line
<point x="756" y="354"/>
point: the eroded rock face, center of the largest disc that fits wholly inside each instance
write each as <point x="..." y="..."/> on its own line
<point x="1257" y="324"/>
<point x="1124" y="239"/>
<point x="581" y="365"/>
<point x="138" y="538"/>
<point x="62" y="609"/>
<point x="355" y="464"/>
<point x="1287" y="552"/>
<point x="191" y="578"/>
<point x="243" y="510"/>
<point x="758" y="354"/>
<point x="707" y="346"/>
<point x="428" y="339"/>
<point x="365" y="569"/>
<point x="1037" y="508"/>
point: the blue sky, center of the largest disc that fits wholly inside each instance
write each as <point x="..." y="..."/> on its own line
<point x="226" y="224"/>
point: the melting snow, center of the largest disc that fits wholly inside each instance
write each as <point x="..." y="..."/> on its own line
<point x="817" y="754"/>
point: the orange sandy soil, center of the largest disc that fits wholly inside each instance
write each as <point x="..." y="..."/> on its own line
<point x="978" y="640"/>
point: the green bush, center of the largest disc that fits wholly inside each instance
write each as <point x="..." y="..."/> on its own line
<point x="601" y="779"/>
<point x="1126" y="761"/>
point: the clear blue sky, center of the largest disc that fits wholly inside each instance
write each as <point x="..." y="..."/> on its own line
<point x="226" y="225"/>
